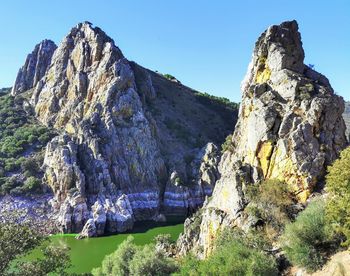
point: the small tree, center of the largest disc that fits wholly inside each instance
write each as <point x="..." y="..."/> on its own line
<point x="338" y="204"/>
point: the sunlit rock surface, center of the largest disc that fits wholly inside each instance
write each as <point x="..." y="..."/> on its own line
<point x="290" y="128"/>
<point x="35" y="67"/>
<point x="124" y="132"/>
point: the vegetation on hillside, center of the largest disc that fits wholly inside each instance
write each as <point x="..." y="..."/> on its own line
<point x="22" y="140"/>
<point x="324" y="226"/>
<point x="270" y="207"/>
<point x="307" y="240"/>
<point x="211" y="99"/>
<point x="17" y="240"/>
<point x="235" y="253"/>
<point x="338" y="202"/>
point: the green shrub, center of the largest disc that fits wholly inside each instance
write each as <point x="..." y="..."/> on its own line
<point x="306" y="240"/>
<point x="270" y="202"/>
<point x="230" y="257"/>
<point x="148" y="262"/>
<point x="130" y="259"/>
<point x="169" y="77"/>
<point x="338" y="203"/>
<point x="32" y="184"/>
<point x="227" y="145"/>
<point x="30" y="167"/>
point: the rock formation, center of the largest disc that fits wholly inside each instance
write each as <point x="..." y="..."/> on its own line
<point x="132" y="144"/>
<point x="35" y="67"/>
<point x="290" y="128"/>
<point x="346" y="116"/>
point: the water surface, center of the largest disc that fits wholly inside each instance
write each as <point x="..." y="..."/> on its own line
<point x="87" y="254"/>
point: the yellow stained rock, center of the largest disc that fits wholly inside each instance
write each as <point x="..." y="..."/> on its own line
<point x="264" y="156"/>
<point x="69" y="128"/>
<point x="281" y="167"/>
<point x="263" y="76"/>
<point x="303" y="196"/>
<point x="247" y="109"/>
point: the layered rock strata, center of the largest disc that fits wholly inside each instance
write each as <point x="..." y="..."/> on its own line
<point x="290" y="128"/>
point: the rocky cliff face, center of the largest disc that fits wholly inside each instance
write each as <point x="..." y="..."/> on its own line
<point x="290" y="128"/>
<point x="35" y="67"/>
<point x="133" y="145"/>
<point x="346" y="116"/>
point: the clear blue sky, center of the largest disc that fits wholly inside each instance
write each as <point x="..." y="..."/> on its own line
<point x="206" y="44"/>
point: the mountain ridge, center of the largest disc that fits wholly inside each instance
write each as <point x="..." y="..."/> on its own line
<point x="131" y="143"/>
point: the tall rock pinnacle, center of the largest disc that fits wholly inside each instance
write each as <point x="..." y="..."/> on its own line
<point x="35" y="67"/>
<point x="290" y="128"/>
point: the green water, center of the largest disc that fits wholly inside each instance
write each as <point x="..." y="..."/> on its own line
<point x="87" y="254"/>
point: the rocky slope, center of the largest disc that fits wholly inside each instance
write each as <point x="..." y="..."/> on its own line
<point x="133" y="145"/>
<point x="290" y="128"/>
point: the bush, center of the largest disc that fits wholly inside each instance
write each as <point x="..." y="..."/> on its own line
<point x="30" y="167"/>
<point x="227" y="145"/>
<point x="338" y="204"/>
<point x="270" y="203"/>
<point x="169" y="77"/>
<point x="306" y="240"/>
<point x="148" y="262"/>
<point x="230" y="257"/>
<point x="32" y="184"/>
<point x="130" y="259"/>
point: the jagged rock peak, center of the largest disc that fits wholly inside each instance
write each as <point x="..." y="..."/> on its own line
<point x="34" y="67"/>
<point x="290" y="128"/>
<point x="86" y="64"/>
<point x="118" y="159"/>
<point x="290" y="125"/>
<point x="86" y="32"/>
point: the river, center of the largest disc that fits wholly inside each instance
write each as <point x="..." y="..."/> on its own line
<point x="88" y="253"/>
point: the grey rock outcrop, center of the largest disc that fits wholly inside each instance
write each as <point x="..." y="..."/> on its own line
<point x="346" y="116"/>
<point x="179" y="198"/>
<point x="290" y="128"/>
<point x="35" y="67"/>
<point x="123" y="131"/>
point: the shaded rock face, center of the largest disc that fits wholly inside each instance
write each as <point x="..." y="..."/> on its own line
<point x="35" y="67"/>
<point x="290" y="128"/>
<point x="178" y="198"/>
<point x="125" y="133"/>
<point x="346" y="116"/>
